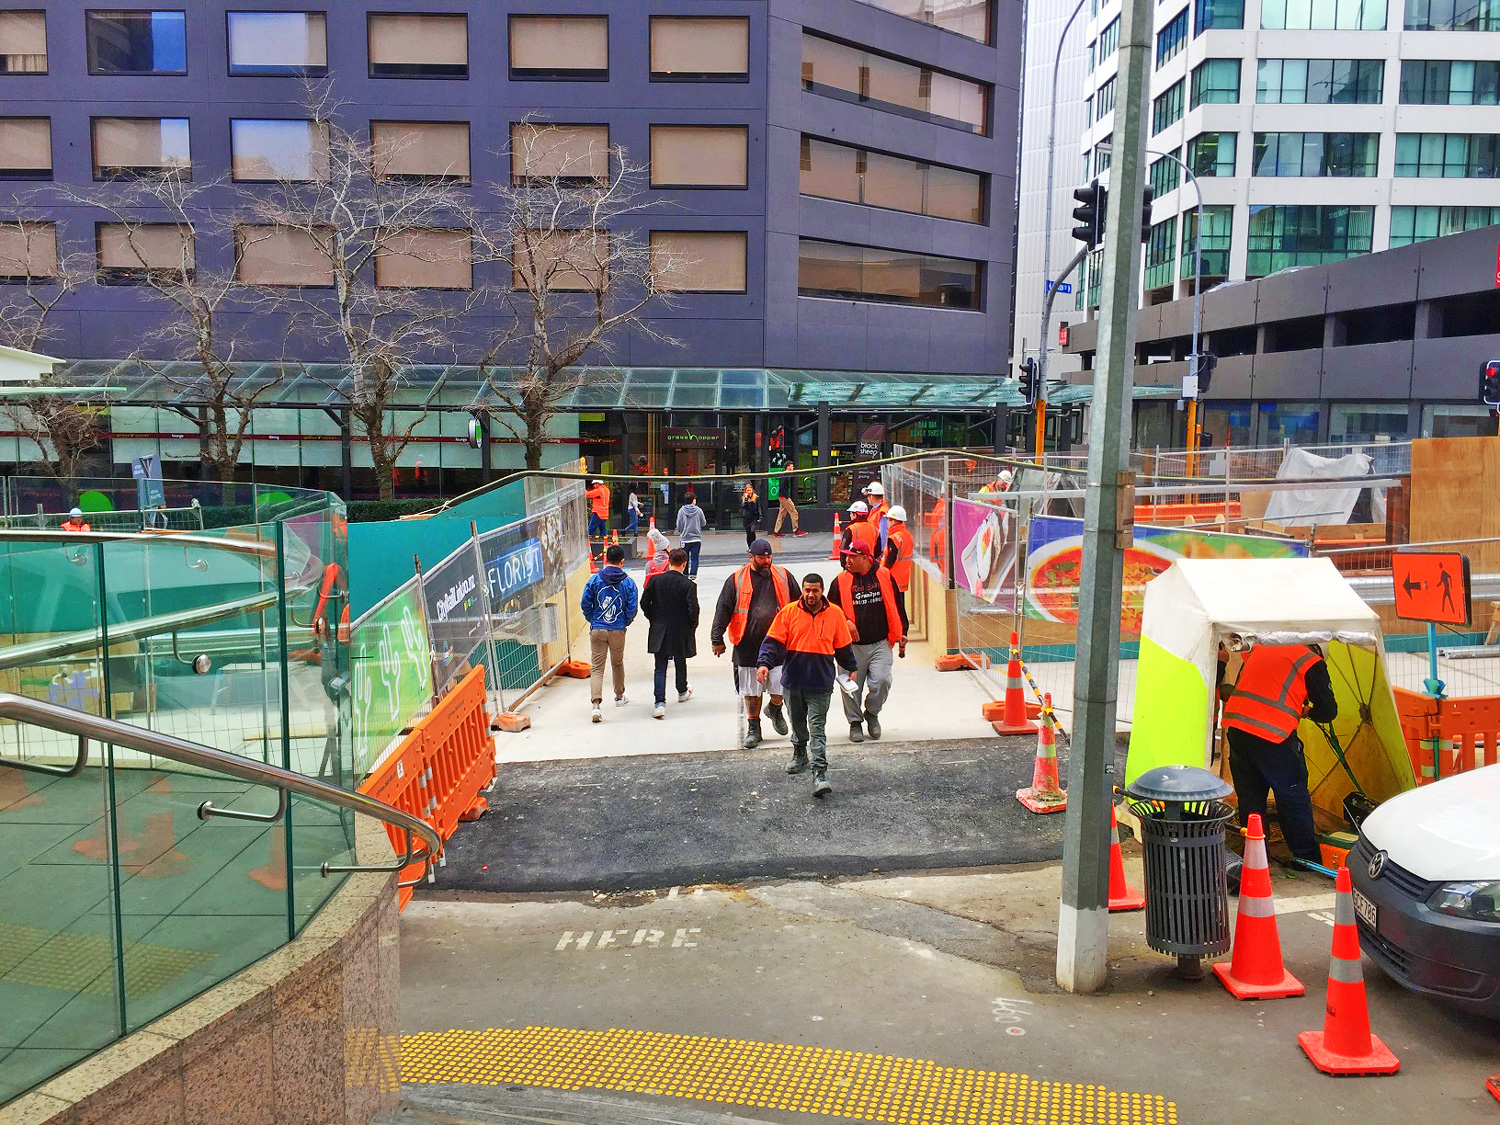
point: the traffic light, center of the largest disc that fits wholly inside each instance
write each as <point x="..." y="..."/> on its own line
<point x="1148" y="194"/>
<point x="1089" y="216"/>
<point x="1489" y="383"/>
<point x="1029" y="380"/>
<point x="1206" y="364"/>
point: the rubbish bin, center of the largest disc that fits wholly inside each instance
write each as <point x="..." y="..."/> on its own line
<point x="1183" y="817"/>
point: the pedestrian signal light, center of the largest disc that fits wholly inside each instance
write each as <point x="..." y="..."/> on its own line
<point x="1148" y="194"/>
<point x="1029" y="380"/>
<point x="1489" y="383"/>
<point x="1090" y="214"/>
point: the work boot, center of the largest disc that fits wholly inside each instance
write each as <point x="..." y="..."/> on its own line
<point x="856" y="734"/>
<point x="778" y="719"/>
<point x="821" y="788"/>
<point x="799" y="760"/>
<point x="872" y="724"/>
<point x="752" y="734"/>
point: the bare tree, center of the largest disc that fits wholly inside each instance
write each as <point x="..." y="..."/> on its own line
<point x="369" y="253"/>
<point x="64" y="428"/>
<point x="579" y="272"/>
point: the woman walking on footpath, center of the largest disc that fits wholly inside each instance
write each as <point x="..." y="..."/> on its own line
<point x="750" y="513"/>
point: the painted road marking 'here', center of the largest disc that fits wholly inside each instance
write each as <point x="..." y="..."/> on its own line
<point x="616" y="939"/>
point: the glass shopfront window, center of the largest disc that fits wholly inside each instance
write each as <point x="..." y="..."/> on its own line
<point x="1368" y="421"/>
<point x="1294" y="423"/>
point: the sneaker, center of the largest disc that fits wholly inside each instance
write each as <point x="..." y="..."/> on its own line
<point x="778" y="719"/>
<point x="799" y="760"/>
<point x="821" y="788"/>
<point x="799" y="534"/>
<point x="621" y="700"/>
<point x="597" y="716"/>
<point x="855" y="733"/>
<point x="778" y="535"/>
<point x="752" y="734"/>
<point x="659" y="711"/>
<point x="872" y="724"/>
<point x="683" y="697"/>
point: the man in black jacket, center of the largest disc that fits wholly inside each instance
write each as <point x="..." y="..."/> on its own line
<point x="670" y="603"/>
<point x="748" y="603"/>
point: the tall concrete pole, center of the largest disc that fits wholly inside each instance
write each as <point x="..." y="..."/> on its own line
<point x="1083" y="921"/>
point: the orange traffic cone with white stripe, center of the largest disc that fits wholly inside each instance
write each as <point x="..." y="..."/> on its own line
<point x="1255" y="971"/>
<point x="1046" y="793"/>
<point x="836" y="551"/>
<point x="1014" y="721"/>
<point x="1492" y="1084"/>
<point x="1122" y="896"/>
<point x="1345" y="1045"/>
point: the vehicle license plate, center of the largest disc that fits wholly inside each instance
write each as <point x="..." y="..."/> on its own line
<point x="1365" y="909"/>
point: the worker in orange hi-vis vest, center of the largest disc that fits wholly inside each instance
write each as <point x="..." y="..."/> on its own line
<point x="858" y="530"/>
<point x="899" y="549"/>
<point x="597" y="494"/>
<point x="750" y="600"/>
<point x="876" y="610"/>
<point x="1278" y="685"/>
<point x="76" y="522"/>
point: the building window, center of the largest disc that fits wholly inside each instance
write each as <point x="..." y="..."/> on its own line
<point x="1218" y="231"/>
<point x="575" y="48"/>
<point x="1109" y="39"/>
<point x="545" y="151"/>
<point x="1323" y="15"/>
<point x="1217" y="15"/>
<point x="1315" y="154"/>
<point x="969" y="18"/>
<point x="137" y="42"/>
<point x="293" y="43"/>
<point x="1280" y="237"/>
<point x="1418" y="224"/>
<point x="561" y="261"/>
<point x="1216" y="81"/>
<point x="1161" y="254"/>
<point x="425" y="258"/>
<point x="23" y="43"/>
<point x="1102" y="152"/>
<point x="851" y="74"/>
<point x="899" y="277"/>
<point x="1320" y="81"/>
<point x="876" y="179"/>
<point x="1166" y="174"/>
<point x="1450" y="155"/>
<point x="1212" y="154"/>
<point x="1104" y="101"/>
<point x="700" y="49"/>
<point x="264" y="150"/>
<point x="411" y="45"/>
<point x="141" y="148"/>
<point x="1452" y="15"/>
<point x="420" y="150"/>
<point x="1166" y="108"/>
<point x="1429" y="82"/>
<point x="1092" y="47"/>
<point x="128" y="254"/>
<point x="699" y="156"/>
<point x="1169" y="39"/>
<point x="280" y="257"/>
<point x="698" y="261"/>
<point x="28" y="251"/>
<point x="1088" y="110"/>
<point x="25" y="148"/>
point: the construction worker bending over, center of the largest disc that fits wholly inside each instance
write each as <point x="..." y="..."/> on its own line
<point x="805" y="642"/>
<point x="748" y="603"/>
<point x="877" y="621"/>
<point x="1278" y="684"/>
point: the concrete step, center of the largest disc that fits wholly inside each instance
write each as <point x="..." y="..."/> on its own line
<point x="464" y="1104"/>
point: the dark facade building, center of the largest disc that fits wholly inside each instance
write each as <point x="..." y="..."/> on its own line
<point x="1387" y="345"/>
<point x="841" y="170"/>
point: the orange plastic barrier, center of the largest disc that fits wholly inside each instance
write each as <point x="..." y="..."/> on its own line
<point x="1463" y="733"/>
<point x="1179" y="513"/>
<point x="440" y="768"/>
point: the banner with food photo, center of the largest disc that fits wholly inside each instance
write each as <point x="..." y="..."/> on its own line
<point x="1054" y="560"/>
<point x="984" y="548"/>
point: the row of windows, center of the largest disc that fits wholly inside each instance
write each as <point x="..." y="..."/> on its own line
<point x="400" y="45"/>
<point x="1166" y="107"/>
<point x="1431" y="82"/>
<point x="418" y="258"/>
<point x="1453" y="155"/>
<point x="857" y="74"/>
<point x="1418" y="224"/>
<point x="878" y="179"/>
<point x="1320" y="81"/>
<point x="1165" y="173"/>
<point x="899" y="277"/>
<point x="267" y="150"/>
<point x="1104" y="100"/>
<point x="1285" y="236"/>
<point x="1316" y="154"/>
<point x="1323" y="15"/>
<point x="1340" y="15"/>
<point x="969" y="18"/>
<point x="1214" y="15"/>
<point x="1216" y="81"/>
<point x="1171" y="38"/>
<point x="1453" y="15"/>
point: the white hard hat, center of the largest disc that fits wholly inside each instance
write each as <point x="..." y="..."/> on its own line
<point x="1007" y="476"/>
<point x="875" y="488"/>
<point x="76" y="513"/>
<point x="859" y="507"/>
<point x="598" y="482"/>
<point x="897" y="513"/>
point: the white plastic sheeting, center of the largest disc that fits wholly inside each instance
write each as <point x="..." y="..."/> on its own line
<point x="1309" y="507"/>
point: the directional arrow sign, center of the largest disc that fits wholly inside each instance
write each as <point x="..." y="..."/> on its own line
<point x="1432" y="586"/>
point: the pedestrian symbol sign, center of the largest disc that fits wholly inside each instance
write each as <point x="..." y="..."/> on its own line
<point x="1432" y="586"/>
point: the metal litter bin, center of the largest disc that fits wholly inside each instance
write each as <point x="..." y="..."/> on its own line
<point x="1183" y="817"/>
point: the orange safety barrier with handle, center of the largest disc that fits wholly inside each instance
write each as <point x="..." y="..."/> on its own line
<point x="1448" y="736"/>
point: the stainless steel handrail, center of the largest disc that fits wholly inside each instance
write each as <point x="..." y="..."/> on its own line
<point x="59" y="537"/>
<point x="23" y="709"/>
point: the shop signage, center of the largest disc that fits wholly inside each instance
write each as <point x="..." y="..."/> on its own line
<point x="694" y="437"/>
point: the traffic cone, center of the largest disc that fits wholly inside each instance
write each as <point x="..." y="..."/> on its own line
<point x="273" y="875"/>
<point x="1122" y="896"/>
<point x="838" y="539"/>
<point x="158" y="856"/>
<point x="1492" y="1084"/>
<point x="14" y="793"/>
<point x="1255" y="971"/>
<point x="1345" y="1045"/>
<point x="1046" y="793"/>
<point x="1014" y="721"/>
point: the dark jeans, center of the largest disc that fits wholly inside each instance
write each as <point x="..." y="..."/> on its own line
<point x="1260" y="767"/>
<point x="808" y="712"/>
<point x="596" y="526"/>
<point x="662" y="659"/>
<point x="750" y="526"/>
<point x="692" y="549"/>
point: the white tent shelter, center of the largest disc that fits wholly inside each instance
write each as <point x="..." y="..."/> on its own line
<point x="18" y="366"/>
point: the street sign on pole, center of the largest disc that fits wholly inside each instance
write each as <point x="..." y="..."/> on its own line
<point x="1432" y="586"/>
<point x="1063" y="287"/>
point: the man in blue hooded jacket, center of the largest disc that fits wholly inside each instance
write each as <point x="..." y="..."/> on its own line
<point x="609" y="604"/>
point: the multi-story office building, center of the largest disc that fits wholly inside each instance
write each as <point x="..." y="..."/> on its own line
<point x="841" y="172"/>
<point x="1317" y="129"/>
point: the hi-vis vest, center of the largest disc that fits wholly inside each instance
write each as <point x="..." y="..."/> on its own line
<point x="901" y="568"/>
<point x="735" y="630"/>
<point x="887" y="596"/>
<point x="1267" y="701"/>
<point x="863" y="531"/>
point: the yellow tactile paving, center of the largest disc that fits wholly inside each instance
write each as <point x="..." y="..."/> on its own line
<point x="743" y="1072"/>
